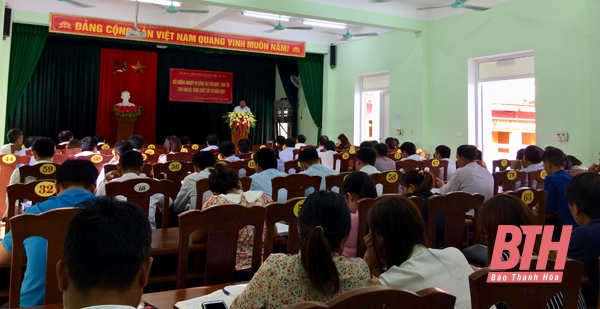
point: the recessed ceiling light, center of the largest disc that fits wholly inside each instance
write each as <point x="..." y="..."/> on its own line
<point x="322" y="23"/>
<point x="265" y="15"/>
<point x="161" y="2"/>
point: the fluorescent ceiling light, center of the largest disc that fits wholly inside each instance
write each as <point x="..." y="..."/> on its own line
<point x="266" y="16"/>
<point x="321" y="23"/>
<point x="161" y="2"/>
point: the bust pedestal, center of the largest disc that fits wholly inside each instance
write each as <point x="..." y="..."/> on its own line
<point x="125" y="127"/>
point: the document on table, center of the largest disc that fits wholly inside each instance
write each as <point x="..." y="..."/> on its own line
<point x="227" y="294"/>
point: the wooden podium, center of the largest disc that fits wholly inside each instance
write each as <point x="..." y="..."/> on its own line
<point x="235" y="137"/>
<point x="125" y="127"/>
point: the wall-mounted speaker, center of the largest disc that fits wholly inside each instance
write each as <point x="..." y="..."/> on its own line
<point x="7" y="23"/>
<point x="332" y="56"/>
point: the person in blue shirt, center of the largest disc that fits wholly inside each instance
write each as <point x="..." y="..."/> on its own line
<point x="266" y="169"/>
<point x="75" y="183"/>
<point x="583" y="195"/>
<point x="555" y="184"/>
<point x="309" y="160"/>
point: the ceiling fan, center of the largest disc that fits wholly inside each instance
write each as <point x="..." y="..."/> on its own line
<point x="458" y="4"/>
<point x="279" y="27"/>
<point x="172" y="9"/>
<point x="80" y="4"/>
<point x="348" y="35"/>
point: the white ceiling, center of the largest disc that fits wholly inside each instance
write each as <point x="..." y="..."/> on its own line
<point x="229" y="20"/>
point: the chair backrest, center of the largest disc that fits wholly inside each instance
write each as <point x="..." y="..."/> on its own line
<point x="390" y="180"/>
<point x="295" y="184"/>
<point x="8" y="163"/>
<point x="454" y="206"/>
<point x="36" y="191"/>
<point x="345" y="159"/>
<point x="292" y="165"/>
<point x="246" y="183"/>
<point x="174" y="171"/>
<point x="245" y="156"/>
<point x="434" y="167"/>
<point x="150" y="158"/>
<point x="335" y="181"/>
<point x="396" y="155"/>
<point x="51" y="225"/>
<point x="139" y="191"/>
<point x="59" y="158"/>
<point x="526" y="295"/>
<point x="516" y="165"/>
<point x="98" y="160"/>
<point x="296" y="152"/>
<point x="408" y="165"/>
<point x="286" y="212"/>
<point x="237" y="166"/>
<point x="39" y="171"/>
<point x="364" y="205"/>
<point x="71" y="151"/>
<point x="508" y="179"/>
<point x="385" y="297"/>
<point x="538" y="177"/>
<point x="576" y="172"/>
<point x="105" y="146"/>
<point x="201" y="187"/>
<point x="500" y="165"/>
<point x="153" y="151"/>
<point x="222" y="224"/>
<point x="107" y="152"/>
<point x="248" y="166"/>
<point x="419" y="202"/>
<point x="152" y="146"/>
<point x="535" y="199"/>
<point x="180" y="156"/>
<point x="60" y="147"/>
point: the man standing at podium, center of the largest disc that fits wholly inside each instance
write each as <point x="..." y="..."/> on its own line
<point x="242" y="108"/>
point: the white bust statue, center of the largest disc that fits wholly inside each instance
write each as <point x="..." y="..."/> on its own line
<point x="125" y="96"/>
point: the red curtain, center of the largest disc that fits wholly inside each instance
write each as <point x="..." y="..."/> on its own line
<point x="141" y="86"/>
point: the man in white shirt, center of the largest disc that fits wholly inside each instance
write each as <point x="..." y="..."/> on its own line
<point x="442" y="152"/>
<point x="266" y="169"/>
<point x="532" y="162"/>
<point x="227" y="150"/>
<point x="15" y="137"/>
<point x="365" y="160"/>
<point x="115" y="276"/>
<point x="212" y="142"/>
<point x="309" y="160"/>
<point x="288" y="153"/>
<point x="471" y="177"/>
<point x="88" y="147"/>
<point x="322" y="140"/>
<point x="137" y="141"/>
<point x="409" y="152"/>
<point x="327" y="155"/>
<point x="65" y="137"/>
<point x="242" y="108"/>
<point x="43" y="152"/>
<point x="300" y="141"/>
<point x="187" y="196"/>
<point x="120" y="148"/>
<point x="130" y="166"/>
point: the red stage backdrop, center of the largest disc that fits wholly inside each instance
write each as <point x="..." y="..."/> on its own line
<point x="201" y="86"/>
<point x="119" y="71"/>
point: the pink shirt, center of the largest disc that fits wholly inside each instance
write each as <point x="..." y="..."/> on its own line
<point x="352" y="241"/>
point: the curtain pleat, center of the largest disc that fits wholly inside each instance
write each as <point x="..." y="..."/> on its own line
<point x="311" y="74"/>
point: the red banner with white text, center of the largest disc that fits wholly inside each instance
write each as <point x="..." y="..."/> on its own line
<point x="201" y="86"/>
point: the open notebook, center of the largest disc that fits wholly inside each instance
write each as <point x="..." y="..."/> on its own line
<point x="195" y="303"/>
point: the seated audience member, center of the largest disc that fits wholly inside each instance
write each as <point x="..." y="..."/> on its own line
<point x="130" y="166"/>
<point x="396" y="143"/>
<point x="226" y="186"/>
<point x="92" y="278"/>
<point x="442" y="152"/>
<point x="185" y="140"/>
<point x="227" y="150"/>
<point x="520" y="153"/>
<point x="279" y="143"/>
<point x="365" y="160"/>
<point x="327" y="155"/>
<point x="212" y="142"/>
<point x="120" y="148"/>
<point x="300" y="142"/>
<point x="319" y="272"/>
<point x="100" y="139"/>
<point x="419" y="184"/>
<point x="397" y="246"/>
<point x="15" y="137"/>
<point x="583" y="194"/>
<point x="479" y="156"/>
<point x="373" y="143"/>
<point x="172" y="145"/>
<point x="266" y="169"/>
<point x="288" y="153"/>
<point x="244" y="145"/>
<point x="409" y="152"/>
<point x="43" y="152"/>
<point x="27" y="144"/>
<point x="356" y="186"/>
<point x="383" y="163"/>
<point x="137" y="141"/>
<point x="186" y="198"/>
<point x="390" y="143"/>
<point x="74" y="143"/>
<point x="75" y="182"/>
<point x="343" y="142"/>
<point x="509" y="210"/>
<point x="309" y="159"/>
<point x="471" y="177"/>
<point x="531" y="162"/>
<point x="366" y="144"/>
<point x="577" y="164"/>
<point x="555" y="184"/>
<point x="88" y="147"/>
<point x="322" y="140"/>
<point x="64" y="137"/>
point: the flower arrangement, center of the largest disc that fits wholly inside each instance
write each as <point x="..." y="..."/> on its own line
<point x="240" y="122"/>
<point x="127" y="111"/>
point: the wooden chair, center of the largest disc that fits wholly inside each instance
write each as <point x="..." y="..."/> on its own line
<point x="396" y="155"/>
<point x="153" y="151"/>
<point x="434" y="167"/>
<point x="538" y="177"/>
<point x="346" y="160"/>
<point x="8" y="163"/>
<point x="222" y="223"/>
<point x="246" y="183"/>
<point x="245" y="156"/>
<point x="237" y="166"/>
<point x="526" y="295"/>
<point x="364" y="205"/>
<point x="295" y="184"/>
<point x="139" y="191"/>
<point x="257" y="147"/>
<point x="174" y="171"/>
<point x="147" y="169"/>
<point x="286" y="212"/>
<point x="296" y="152"/>
<point x="59" y="158"/>
<point x="385" y="297"/>
<point x="248" y="166"/>
<point x="150" y="158"/>
<point x="105" y="146"/>
<point x="71" y="151"/>
<point x="39" y="171"/>
<point x="107" y="152"/>
<point x="500" y="165"/>
<point x="454" y="206"/>
<point x="153" y="146"/>
<point x="535" y="199"/>
<point x="335" y="181"/>
<point x="390" y="181"/>
<point x="419" y="202"/>
<point x="98" y="160"/>
<point x="292" y="165"/>
<point x="60" y="147"/>
<point x="36" y="191"/>
<point x="516" y="165"/>
<point x="180" y="156"/>
<point x="201" y="187"/>
<point x="409" y="165"/>
<point x="507" y="180"/>
<point x="51" y="225"/>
